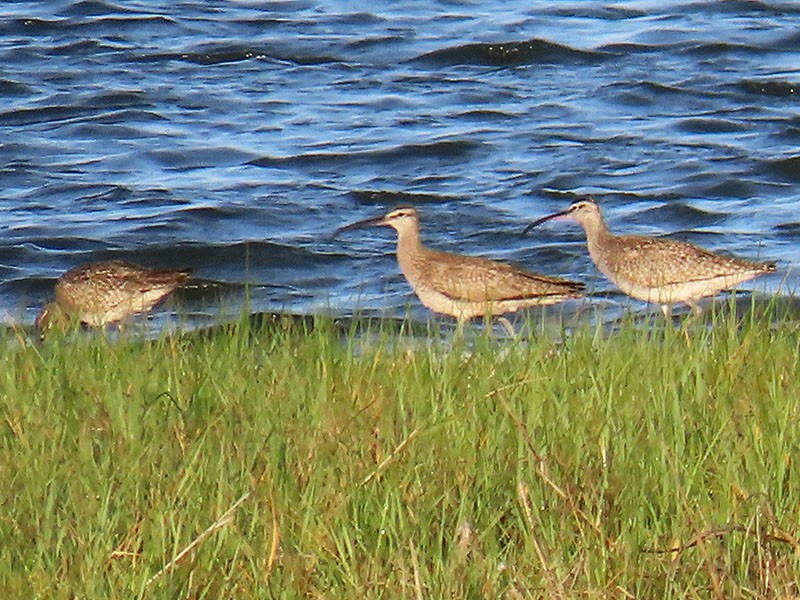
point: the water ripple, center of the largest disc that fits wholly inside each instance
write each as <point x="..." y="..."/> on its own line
<point x="233" y="138"/>
<point x="785" y="168"/>
<point x="387" y="198"/>
<point x="770" y="87"/>
<point x="532" y="51"/>
<point x="445" y="149"/>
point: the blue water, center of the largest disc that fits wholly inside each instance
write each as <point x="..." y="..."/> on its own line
<point x="234" y="137"/>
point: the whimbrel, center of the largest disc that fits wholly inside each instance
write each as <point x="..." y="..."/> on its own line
<point x="465" y="286"/>
<point x="657" y="270"/>
<point x="104" y="292"/>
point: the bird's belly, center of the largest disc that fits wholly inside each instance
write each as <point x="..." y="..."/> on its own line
<point x="440" y="303"/>
<point x="111" y="309"/>
<point x="671" y="293"/>
<point x="469" y="309"/>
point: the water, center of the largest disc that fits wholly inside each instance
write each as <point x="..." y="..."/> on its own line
<point x="234" y="137"/>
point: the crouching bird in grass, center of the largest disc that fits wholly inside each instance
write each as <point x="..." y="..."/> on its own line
<point x="101" y="293"/>
<point x="462" y="286"/>
<point x="654" y="269"/>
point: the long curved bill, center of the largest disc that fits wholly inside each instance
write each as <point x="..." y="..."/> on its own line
<point x="373" y="222"/>
<point x="559" y="215"/>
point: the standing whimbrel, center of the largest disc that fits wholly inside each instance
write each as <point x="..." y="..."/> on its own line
<point x="104" y="292"/>
<point x="465" y="286"/>
<point x="657" y="270"/>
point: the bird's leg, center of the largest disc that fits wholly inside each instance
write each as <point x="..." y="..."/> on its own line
<point x="693" y="316"/>
<point x="507" y="326"/>
<point x="696" y="311"/>
<point x="460" y="328"/>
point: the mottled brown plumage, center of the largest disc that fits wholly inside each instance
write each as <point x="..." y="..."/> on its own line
<point x="104" y="292"/>
<point x="657" y="270"/>
<point x="465" y="286"/>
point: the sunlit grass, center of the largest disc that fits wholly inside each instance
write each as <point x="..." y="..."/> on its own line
<point x="380" y="467"/>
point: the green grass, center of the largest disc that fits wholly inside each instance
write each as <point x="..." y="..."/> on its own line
<point x="380" y="467"/>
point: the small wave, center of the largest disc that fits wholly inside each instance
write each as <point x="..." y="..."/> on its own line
<point x="532" y="51"/>
<point x="15" y="253"/>
<point x="707" y="125"/>
<point x="788" y="230"/>
<point x="778" y="88"/>
<point x="217" y="55"/>
<point x="374" y="42"/>
<point x="789" y="43"/>
<point x="32" y="26"/>
<point x="386" y="197"/>
<point x="740" y="7"/>
<point x="486" y="114"/>
<point x="784" y="168"/>
<point x="654" y="87"/>
<point x="213" y="214"/>
<point x="59" y="244"/>
<point x="115" y="117"/>
<point x="680" y="215"/>
<point x="593" y="11"/>
<point x="26" y="288"/>
<point x="732" y="187"/>
<point x="81" y="48"/>
<point x="715" y="49"/>
<point x="153" y="196"/>
<point x="199" y="158"/>
<point x="95" y="8"/>
<point x="94" y="28"/>
<point x="121" y="98"/>
<point x="446" y="149"/>
<point x="135" y="21"/>
<point x="41" y="114"/>
<point x="626" y="48"/>
<point x="791" y="132"/>
<point x="646" y="93"/>
<point x="98" y="131"/>
<point x="9" y="87"/>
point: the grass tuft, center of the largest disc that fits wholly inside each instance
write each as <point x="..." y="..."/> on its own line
<point x="280" y="458"/>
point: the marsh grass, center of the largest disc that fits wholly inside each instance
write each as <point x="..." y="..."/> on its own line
<point x="651" y="462"/>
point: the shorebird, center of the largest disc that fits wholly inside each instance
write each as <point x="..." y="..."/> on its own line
<point x="657" y="270"/>
<point x="105" y="292"/>
<point x="462" y="286"/>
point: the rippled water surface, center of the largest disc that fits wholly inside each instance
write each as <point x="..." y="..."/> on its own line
<point x="233" y="138"/>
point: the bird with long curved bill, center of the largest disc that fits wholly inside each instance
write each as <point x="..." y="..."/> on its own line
<point x="656" y="270"/>
<point x="464" y="286"/>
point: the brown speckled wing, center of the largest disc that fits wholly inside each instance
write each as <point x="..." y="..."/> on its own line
<point x="107" y="287"/>
<point x="477" y="279"/>
<point x="143" y="281"/>
<point x="658" y="262"/>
